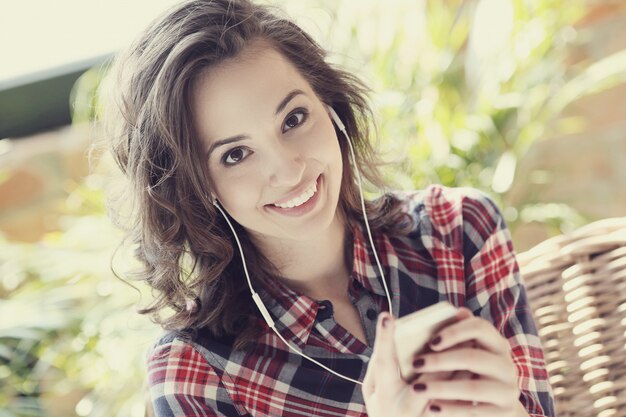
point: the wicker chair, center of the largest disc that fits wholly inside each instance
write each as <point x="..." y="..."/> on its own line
<point x="576" y="286"/>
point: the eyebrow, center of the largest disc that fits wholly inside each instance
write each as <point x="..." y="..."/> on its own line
<point x="281" y="106"/>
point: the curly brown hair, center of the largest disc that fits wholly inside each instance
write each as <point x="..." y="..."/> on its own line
<point x="184" y="245"/>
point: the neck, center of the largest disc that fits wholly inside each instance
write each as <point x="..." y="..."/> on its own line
<point x="318" y="267"/>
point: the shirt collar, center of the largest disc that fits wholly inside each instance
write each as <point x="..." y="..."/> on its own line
<point x="364" y="267"/>
<point x="294" y="313"/>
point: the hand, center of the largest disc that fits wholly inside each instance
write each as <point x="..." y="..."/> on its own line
<point x="385" y="393"/>
<point x="493" y="387"/>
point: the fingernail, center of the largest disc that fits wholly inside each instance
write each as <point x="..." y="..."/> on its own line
<point x="417" y="363"/>
<point x="385" y="321"/>
<point x="435" y="408"/>
<point x="436" y="341"/>
<point x="419" y="387"/>
<point x="475" y="376"/>
<point x="414" y="378"/>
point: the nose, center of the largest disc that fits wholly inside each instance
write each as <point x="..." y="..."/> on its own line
<point x="286" y="166"/>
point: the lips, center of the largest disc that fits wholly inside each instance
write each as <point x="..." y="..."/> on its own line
<point x="303" y="209"/>
<point x="297" y="193"/>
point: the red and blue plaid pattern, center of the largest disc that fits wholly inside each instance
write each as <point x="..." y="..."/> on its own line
<point x="460" y="251"/>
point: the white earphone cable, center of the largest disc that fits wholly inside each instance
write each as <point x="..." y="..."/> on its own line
<point x="369" y="233"/>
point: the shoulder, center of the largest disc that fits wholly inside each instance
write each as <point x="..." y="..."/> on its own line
<point x="182" y="373"/>
<point x="197" y="347"/>
<point x="173" y="365"/>
<point x="461" y="218"/>
<point x="445" y="208"/>
<point x="172" y="354"/>
<point x="177" y="361"/>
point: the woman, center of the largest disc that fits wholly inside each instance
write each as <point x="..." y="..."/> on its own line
<point x="230" y="130"/>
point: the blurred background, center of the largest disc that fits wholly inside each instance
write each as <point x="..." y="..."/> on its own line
<point x="523" y="99"/>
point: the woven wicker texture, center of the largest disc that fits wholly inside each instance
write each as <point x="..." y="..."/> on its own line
<point x="576" y="286"/>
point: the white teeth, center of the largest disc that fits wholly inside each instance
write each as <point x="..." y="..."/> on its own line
<point x="301" y="199"/>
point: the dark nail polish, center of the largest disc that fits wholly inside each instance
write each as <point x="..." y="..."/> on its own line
<point x="417" y="363"/>
<point x="436" y="341"/>
<point x="413" y="378"/>
<point x="419" y="387"/>
<point x="435" y="408"/>
<point x="475" y="376"/>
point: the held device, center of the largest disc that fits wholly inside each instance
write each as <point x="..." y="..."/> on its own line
<point x="414" y="331"/>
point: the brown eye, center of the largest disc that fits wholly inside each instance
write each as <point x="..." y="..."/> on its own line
<point x="234" y="156"/>
<point x="295" y="119"/>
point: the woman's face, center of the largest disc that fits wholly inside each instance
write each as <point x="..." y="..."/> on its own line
<point x="268" y="140"/>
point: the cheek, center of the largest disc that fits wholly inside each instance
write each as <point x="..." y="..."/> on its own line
<point x="237" y="189"/>
<point x="234" y="192"/>
<point x="329" y="142"/>
<point x="335" y="148"/>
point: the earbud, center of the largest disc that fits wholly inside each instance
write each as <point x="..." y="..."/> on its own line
<point x="335" y="117"/>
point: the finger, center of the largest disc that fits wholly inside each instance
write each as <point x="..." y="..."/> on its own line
<point x="464" y="313"/>
<point x="459" y="409"/>
<point x="369" y="385"/>
<point x="384" y="358"/>
<point x="478" y="361"/>
<point x="471" y="328"/>
<point x="418" y="374"/>
<point x="368" y="381"/>
<point x="480" y="390"/>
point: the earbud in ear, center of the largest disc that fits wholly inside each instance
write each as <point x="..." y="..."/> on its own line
<point x="335" y="117"/>
<point x="212" y="198"/>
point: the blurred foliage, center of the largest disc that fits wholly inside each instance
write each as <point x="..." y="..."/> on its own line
<point x="461" y="91"/>
<point x="464" y="88"/>
<point x="70" y="343"/>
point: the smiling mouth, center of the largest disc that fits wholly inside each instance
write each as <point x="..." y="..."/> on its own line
<point x="301" y="199"/>
<point x="301" y="204"/>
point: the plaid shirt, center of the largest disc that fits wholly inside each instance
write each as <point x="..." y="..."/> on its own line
<point x="460" y="251"/>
